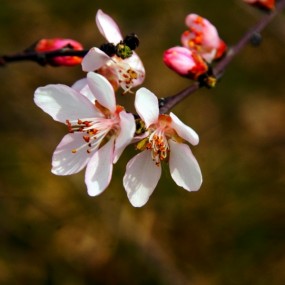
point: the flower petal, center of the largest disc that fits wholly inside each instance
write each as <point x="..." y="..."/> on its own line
<point x="141" y="178"/>
<point x="183" y="130"/>
<point x="146" y="104"/>
<point x="62" y="102"/>
<point x="99" y="169"/>
<point x="82" y="87"/>
<point x="128" y="127"/>
<point x="94" y="59"/>
<point x="108" y="27"/>
<point x="64" y="162"/>
<point x="102" y="90"/>
<point x="184" y="167"/>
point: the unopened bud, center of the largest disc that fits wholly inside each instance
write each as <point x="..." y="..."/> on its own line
<point x="263" y="4"/>
<point x="53" y="44"/>
<point x="185" y="62"/>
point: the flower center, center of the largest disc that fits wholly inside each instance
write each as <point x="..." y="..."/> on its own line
<point x="158" y="139"/>
<point x="118" y="72"/>
<point x="95" y="131"/>
<point x="126" y="75"/>
<point x="158" y="145"/>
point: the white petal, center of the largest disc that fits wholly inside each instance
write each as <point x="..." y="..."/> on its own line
<point x="102" y="90"/>
<point x="146" y="104"/>
<point x="135" y="63"/>
<point x="209" y="56"/>
<point x="108" y="27"/>
<point x="64" y="162"/>
<point x="184" y="168"/>
<point x="62" y="102"/>
<point x="128" y="127"/>
<point x="99" y="169"/>
<point x="183" y="130"/>
<point x="141" y="178"/>
<point x="82" y="87"/>
<point x="94" y="59"/>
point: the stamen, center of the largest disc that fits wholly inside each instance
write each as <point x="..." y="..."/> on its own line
<point x="95" y="131"/>
<point x="158" y="145"/>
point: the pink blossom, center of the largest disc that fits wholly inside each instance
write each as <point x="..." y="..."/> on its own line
<point x="165" y="140"/>
<point x="126" y="73"/>
<point x="203" y="38"/>
<point x="57" y="44"/>
<point x="185" y="62"/>
<point x="99" y="130"/>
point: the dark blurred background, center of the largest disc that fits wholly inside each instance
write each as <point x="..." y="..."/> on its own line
<point x="231" y="232"/>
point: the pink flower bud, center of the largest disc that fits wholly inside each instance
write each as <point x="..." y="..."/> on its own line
<point x="44" y="45"/>
<point x="203" y="38"/>
<point x="265" y="4"/>
<point x="185" y="62"/>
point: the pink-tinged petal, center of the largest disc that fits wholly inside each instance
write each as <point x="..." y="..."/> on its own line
<point x="82" y="87"/>
<point x="202" y="37"/>
<point x="179" y="59"/>
<point x="209" y="32"/>
<point x="141" y="178"/>
<point x="99" y="169"/>
<point x="184" y="168"/>
<point x="94" y="59"/>
<point x="128" y="127"/>
<point x="185" y="62"/>
<point x="209" y="56"/>
<point x="62" y="102"/>
<point x="108" y="27"/>
<point x="146" y="104"/>
<point x="183" y="130"/>
<point x="102" y="90"/>
<point x="64" y="162"/>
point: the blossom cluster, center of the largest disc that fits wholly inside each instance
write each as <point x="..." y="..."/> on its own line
<point x="201" y="45"/>
<point x="99" y="130"/>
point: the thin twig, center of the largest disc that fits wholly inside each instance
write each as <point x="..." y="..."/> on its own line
<point x="40" y="57"/>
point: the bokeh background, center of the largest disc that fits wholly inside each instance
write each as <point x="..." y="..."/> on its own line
<point x="231" y="232"/>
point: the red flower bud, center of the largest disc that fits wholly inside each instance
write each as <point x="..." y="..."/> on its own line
<point x="44" y="45"/>
<point x="185" y="62"/>
<point x="264" y="4"/>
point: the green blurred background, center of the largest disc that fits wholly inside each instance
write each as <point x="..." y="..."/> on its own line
<point x="231" y="232"/>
